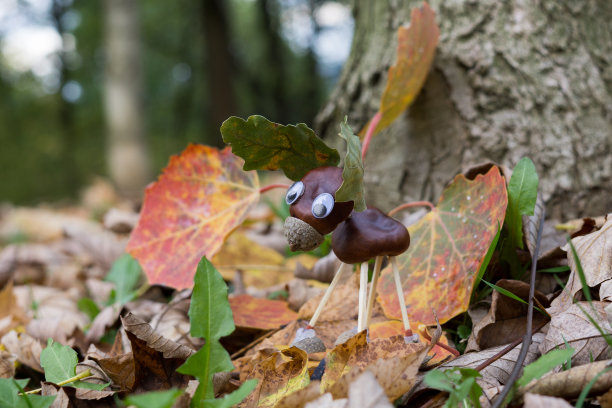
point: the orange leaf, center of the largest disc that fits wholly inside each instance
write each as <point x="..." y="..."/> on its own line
<point x="416" y="46"/>
<point x="447" y="248"/>
<point x="260" y="313"/>
<point x="199" y="199"/>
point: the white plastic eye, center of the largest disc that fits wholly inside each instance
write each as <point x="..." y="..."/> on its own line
<point x="295" y="191"/>
<point x="322" y="205"/>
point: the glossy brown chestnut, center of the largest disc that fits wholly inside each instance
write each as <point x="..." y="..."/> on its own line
<point x="318" y="181"/>
<point x="368" y="234"/>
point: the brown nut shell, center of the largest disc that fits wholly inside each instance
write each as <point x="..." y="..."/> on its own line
<point x="301" y="236"/>
<point x="318" y="181"/>
<point x="368" y="234"/>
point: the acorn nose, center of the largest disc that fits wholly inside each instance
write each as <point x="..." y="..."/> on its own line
<point x="300" y="235"/>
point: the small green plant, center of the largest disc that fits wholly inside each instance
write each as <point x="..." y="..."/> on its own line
<point x="460" y="383"/>
<point x="12" y="395"/>
<point x="211" y="318"/>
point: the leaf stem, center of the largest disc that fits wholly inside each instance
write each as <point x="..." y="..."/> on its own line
<point x="411" y="205"/>
<point x="272" y="186"/>
<point x="84" y="374"/>
<point x="369" y="133"/>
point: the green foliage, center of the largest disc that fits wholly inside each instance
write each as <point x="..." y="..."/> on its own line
<point x="266" y="145"/>
<point x="125" y="274"/>
<point x="522" y="194"/>
<point x="89" y="307"/>
<point x="154" y="399"/>
<point x="352" y="174"/>
<point x="544" y="364"/>
<point x="59" y="363"/>
<point x="460" y="383"/>
<point x="211" y="318"/>
<point x="10" y="398"/>
<point x="555" y="269"/>
<point x="486" y="260"/>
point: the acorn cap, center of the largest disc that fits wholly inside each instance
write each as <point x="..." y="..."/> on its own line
<point x="368" y="234"/>
<point x="321" y="180"/>
<point x="301" y="236"/>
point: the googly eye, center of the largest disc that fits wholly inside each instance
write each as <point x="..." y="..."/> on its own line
<point x="322" y="205"/>
<point x="295" y="191"/>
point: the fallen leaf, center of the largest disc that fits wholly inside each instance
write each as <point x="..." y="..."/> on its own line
<point x="595" y="253"/>
<point x="352" y="173"/>
<point x="416" y="47"/>
<point x="542" y="401"/>
<point x="7" y="364"/>
<point x="570" y="383"/>
<point x="506" y="319"/>
<point x="278" y="377"/>
<point x="266" y="145"/>
<point x="447" y="248"/>
<point x="260" y="313"/>
<point x="341" y="306"/>
<point x="574" y="327"/>
<point x="200" y="198"/>
<point x="11" y="314"/>
<point x="262" y="267"/>
<point x="155" y="358"/>
<point x="25" y="348"/>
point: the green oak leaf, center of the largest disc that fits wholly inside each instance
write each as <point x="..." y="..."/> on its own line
<point x="10" y="398"/>
<point x="522" y="194"/>
<point x="211" y="318"/>
<point x="266" y="145"/>
<point x="352" y="174"/>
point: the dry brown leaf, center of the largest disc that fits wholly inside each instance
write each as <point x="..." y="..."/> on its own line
<point x="28" y="262"/>
<point x="120" y="369"/>
<point x="278" y="375"/>
<point x="11" y="314"/>
<point x="103" y="320"/>
<point x="300" y="398"/>
<point x="323" y="269"/>
<point x="172" y="321"/>
<point x="103" y="246"/>
<point x="363" y="392"/>
<point x="55" y="315"/>
<point x="341" y="306"/>
<point x="573" y="326"/>
<point x="7" y="364"/>
<point x="120" y="221"/>
<point x="506" y="319"/>
<point x="98" y="376"/>
<point x="595" y="253"/>
<point x="543" y="401"/>
<point x="605" y="400"/>
<point x="499" y="370"/>
<point x="327" y="401"/>
<point x="300" y="291"/>
<point x="24" y="347"/>
<point x="569" y="384"/>
<point x="144" y="332"/>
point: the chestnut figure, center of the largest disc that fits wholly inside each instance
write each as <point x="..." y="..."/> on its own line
<point x="314" y="211"/>
<point x="368" y="234"/>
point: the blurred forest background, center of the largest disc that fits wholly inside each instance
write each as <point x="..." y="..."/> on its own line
<point x="194" y="63"/>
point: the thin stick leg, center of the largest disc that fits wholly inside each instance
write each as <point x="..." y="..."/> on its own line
<point x="328" y="293"/>
<point x="400" y="296"/>
<point x="372" y="294"/>
<point x="363" y="288"/>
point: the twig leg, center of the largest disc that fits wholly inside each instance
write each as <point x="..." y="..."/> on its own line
<point x="372" y="294"/>
<point x="400" y="296"/>
<point x="328" y="293"/>
<point x="363" y="288"/>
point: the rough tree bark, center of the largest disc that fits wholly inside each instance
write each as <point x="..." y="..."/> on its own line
<point x="510" y="79"/>
<point x="128" y="158"/>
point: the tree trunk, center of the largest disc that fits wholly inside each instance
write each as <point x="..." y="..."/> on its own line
<point x="510" y="79"/>
<point x="128" y="157"/>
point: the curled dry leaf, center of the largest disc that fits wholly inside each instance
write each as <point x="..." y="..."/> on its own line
<point x="569" y="384"/>
<point x="499" y="370"/>
<point x="506" y="319"/>
<point x="595" y="253"/>
<point x="280" y="374"/>
<point x="98" y="377"/>
<point x="574" y="327"/>
<point x="543" y="401"/>
<point x="25" y="348"/>
<point x="7" y="364"/>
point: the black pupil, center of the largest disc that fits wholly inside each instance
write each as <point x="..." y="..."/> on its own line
<point x="319" y="210"/>
<point x="292" y="195"/>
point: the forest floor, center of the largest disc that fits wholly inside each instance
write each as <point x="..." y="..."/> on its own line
<point x="64" y="276"/>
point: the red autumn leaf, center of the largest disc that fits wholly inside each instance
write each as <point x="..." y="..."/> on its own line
<point x="447" y="248"/>
<point x="416" y="46"/>
<point x="260" y="313"/>
<point x="199" y="199"/>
